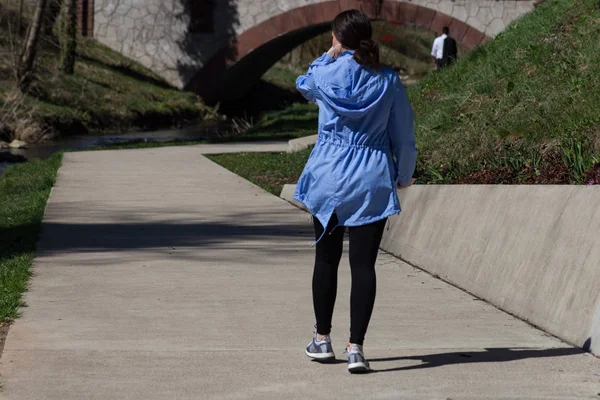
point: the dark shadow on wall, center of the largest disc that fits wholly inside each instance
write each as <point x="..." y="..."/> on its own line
<point x="209" y="41"/>
<point x="241" y="86"/>
<point x="225" y="80"/>
<point x="125" y="70"/>
<point x="249" y="69"/>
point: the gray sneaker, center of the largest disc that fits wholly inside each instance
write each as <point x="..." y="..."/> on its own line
<point x="356" y="359"/>
<point x="320" y="350"/>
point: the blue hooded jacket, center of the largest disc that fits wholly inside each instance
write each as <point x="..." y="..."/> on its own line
<point x="366" y="141"/>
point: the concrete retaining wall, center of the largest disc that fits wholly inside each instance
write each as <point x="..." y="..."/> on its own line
<point x="533" y="251"/>
<point x="287" y="193"/>
<point x="302" y="143"/>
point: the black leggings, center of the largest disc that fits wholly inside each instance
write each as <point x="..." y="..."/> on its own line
<point x="364" y="246"/>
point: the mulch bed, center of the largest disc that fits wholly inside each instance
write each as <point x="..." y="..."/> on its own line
<point x="552" y="171"/>
<point x="592" y="175"/>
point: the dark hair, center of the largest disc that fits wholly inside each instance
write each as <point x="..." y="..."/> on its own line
<point x="446" y="30"/>
<point x="353" y="30"/>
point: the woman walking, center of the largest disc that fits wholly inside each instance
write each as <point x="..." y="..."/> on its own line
<point x="364" y="151"/>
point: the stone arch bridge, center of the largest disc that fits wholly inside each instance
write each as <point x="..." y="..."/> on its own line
<point x="219" y="48"/>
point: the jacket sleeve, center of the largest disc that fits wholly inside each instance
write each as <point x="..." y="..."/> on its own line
<point x="306" y="83"/>
<point x="401" y="129"/>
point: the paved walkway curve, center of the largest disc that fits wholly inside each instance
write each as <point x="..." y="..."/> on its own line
<point x="160" y="275"/>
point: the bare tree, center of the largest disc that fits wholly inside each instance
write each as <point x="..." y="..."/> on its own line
<point x="30" y="47"/>
<point x="51" y="16"/>
<point x="19" y="17"/>
<point x="68" y="36"/>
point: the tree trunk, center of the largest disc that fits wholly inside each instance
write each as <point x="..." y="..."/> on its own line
<point x="19" y="18"/>
<point x="68" y="36"/>
<point x="30" y="47"/>
<point x="52" y="13"/>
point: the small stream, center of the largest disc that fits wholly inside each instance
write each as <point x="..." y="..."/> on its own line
<point x="205" y="130"/>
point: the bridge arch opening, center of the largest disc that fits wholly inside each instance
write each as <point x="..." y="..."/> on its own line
<point x="230" y="73"/>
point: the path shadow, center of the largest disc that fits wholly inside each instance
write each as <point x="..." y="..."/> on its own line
<point x="491" y="355"/>
<point x="122" y="237"/>
<point x="135" y="232"/>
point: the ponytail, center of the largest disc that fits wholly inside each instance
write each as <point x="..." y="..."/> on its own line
<point x="367" y="54"/>
<point x="353" y="29"/>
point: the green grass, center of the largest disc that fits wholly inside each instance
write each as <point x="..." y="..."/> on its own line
<point x="107" y="93"/>
<point x="282" y="75"/>
<point x="298" y="120"/>
<point x="24" y="190"/>
<point x="270" y="171"/>
<point x="523" y="108"/>
<point x="533" y="88"/>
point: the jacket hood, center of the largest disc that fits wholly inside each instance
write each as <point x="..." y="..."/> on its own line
<point x="349" y="88"/>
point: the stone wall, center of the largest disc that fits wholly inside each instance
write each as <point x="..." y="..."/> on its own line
<point x="156" y="32"/>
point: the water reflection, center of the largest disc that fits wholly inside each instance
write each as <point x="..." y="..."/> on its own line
<point x="41" y="151"/>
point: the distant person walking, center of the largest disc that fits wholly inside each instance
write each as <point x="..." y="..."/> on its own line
<point x="364" y="152"/>
<point x="444" y="50"/>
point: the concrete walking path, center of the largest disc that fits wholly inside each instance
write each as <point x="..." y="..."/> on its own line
<point x="161" y="275"/>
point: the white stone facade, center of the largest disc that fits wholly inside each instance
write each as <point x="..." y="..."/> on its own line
<point x="155" y="32"/>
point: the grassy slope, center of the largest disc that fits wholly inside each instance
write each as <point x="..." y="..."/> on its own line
<point x="522" y="108"/>
<point x="107" y="91"/>
<point x="24" y="190"/>
<point x="296" y="121"/>
<point x="533" y="88"/>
